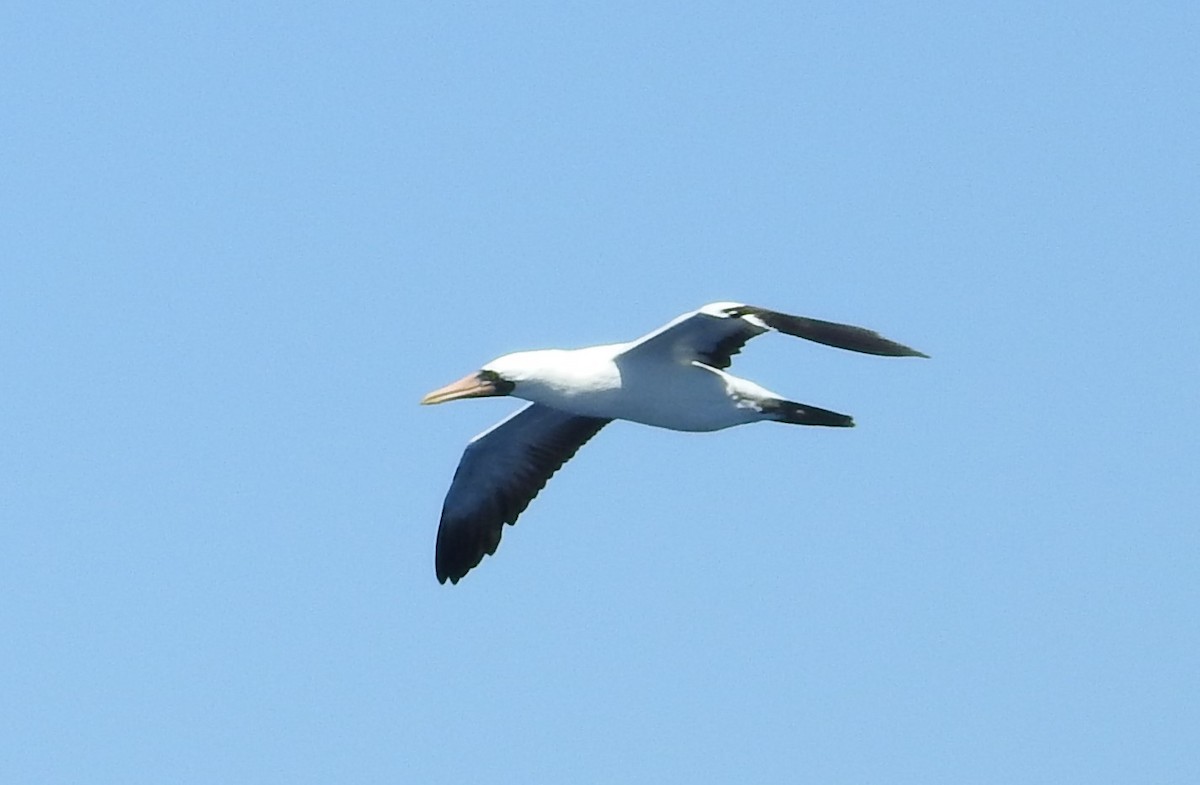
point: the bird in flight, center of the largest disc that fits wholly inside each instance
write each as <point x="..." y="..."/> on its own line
<point x="674" y="377"/>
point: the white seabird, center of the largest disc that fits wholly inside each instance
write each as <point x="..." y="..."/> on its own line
<point x="671" y="378"/>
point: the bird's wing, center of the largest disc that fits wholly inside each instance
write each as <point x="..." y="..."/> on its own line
<point x="500" y="472"/>
<point x="716" y="332"/>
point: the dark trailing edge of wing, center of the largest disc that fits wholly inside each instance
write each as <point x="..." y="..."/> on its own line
<point x="481" y="499"/>
<point x="840" y="336"/>
<point x="721" y="355"/>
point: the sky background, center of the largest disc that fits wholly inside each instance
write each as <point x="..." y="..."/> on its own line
<point x="240" y="243"/>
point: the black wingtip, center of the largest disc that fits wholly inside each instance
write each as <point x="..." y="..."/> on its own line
<point x="839" y="336"/>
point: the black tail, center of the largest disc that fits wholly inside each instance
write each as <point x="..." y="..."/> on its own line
<point x="803" y="414"/>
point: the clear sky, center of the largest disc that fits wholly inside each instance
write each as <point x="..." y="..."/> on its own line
<point x="239" y="243"/>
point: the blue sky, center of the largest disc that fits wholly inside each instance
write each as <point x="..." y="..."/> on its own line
<point x="240" y="243"/>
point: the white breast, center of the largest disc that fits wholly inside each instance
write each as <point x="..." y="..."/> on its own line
<point x="599" y="382"/>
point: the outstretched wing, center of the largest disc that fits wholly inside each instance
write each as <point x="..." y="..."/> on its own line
<point x="716" y="332"/>
<point x="500" y="472"/>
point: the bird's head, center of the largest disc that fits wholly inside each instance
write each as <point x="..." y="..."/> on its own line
<point x="499" y="377"/>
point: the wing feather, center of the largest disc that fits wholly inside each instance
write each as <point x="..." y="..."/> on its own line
<point x="840" y="336"/>
<point x="500" y="472"/>
<point x="715" y="333"/>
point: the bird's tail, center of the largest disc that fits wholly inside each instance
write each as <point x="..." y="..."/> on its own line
<point x="803" y="414"/>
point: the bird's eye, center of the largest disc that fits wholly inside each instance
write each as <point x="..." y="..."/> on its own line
<point x="503" y="386"/>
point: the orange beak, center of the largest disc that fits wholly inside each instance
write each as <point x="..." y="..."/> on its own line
<point x="473" y="386"/>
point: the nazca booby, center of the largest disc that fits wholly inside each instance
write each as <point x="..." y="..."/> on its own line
<point x="673" y="378"/>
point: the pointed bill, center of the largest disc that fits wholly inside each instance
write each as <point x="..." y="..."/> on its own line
<point x="476" y="385"/>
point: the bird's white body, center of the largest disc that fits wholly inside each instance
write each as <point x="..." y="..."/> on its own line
<point x="615" y="382"/>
